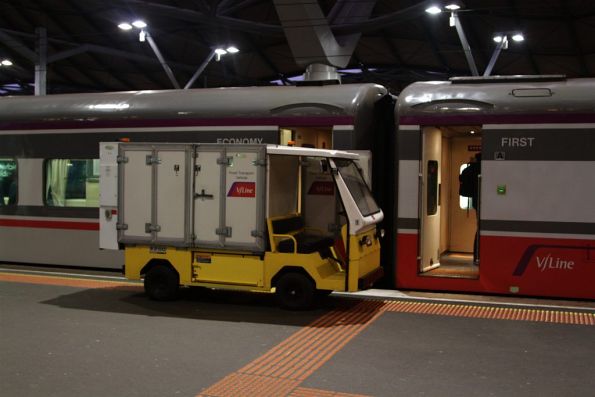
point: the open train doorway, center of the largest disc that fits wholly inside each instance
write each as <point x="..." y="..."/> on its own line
<point x="449" y="213"/>
<point x="312" y="137"/>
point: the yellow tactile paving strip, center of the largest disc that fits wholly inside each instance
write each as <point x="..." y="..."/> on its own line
<point x="281" y="370"/>
<point x="492" y="312"/>
<point x="65" y="281"/>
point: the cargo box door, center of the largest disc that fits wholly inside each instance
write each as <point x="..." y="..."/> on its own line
<point x="171" y="192"/>
<point x="207" y="197"/>
<point x="134" y="199"/>
<point x="244" y="201"/>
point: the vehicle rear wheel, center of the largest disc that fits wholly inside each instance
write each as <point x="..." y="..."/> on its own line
<point x="162" y="283"/>
<point x="295" y="291"/>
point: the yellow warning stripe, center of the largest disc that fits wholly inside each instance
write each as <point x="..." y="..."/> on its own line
<point x="288" y="364"/>
<point x="492" y="312"/>
<point x="65" y="281"/>
<point x="280" y="370"/>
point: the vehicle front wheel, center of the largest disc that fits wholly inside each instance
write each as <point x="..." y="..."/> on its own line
<point x="295" y="291"/>
<point x="162" y="283"/>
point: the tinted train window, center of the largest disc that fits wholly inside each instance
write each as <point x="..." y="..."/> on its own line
<point x="464" y="202"/>
<point x="432" y="192"/>
<point x="8" y="182"/>
<point x="72" y="183"/>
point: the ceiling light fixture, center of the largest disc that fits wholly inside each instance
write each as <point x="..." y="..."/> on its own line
<point x="434" y="10"/>
<point x="453" y="7"/>
<point x="518" y="37"/>
<point x="139" y="24"/>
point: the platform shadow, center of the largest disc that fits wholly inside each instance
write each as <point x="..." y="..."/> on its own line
<point x="200" y="304"/>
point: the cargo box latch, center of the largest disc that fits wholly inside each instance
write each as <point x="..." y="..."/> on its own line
<point x="223" y="231"/>
<point x="150" y="228"/>
<point x="150" y="159"/>
<point x="203" y="195"/>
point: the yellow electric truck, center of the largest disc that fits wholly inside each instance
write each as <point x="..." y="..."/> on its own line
<point x="297" y="222"/>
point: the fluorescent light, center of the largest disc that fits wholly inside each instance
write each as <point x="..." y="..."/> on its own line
<point x="125" y="26"/>
<point x="498" y="39"/>
<point x="453" y="7"/>
<point x="139" y="24"/>
<point x="433" y="10"/>
<point x="232" y="50"/>
<point x="6" y="62"/>
<point x="518" y="37"/>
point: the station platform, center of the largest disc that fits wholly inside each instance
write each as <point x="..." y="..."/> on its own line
<point x="73" y="333"/>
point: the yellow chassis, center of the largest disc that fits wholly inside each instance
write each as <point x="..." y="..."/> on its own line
<point x="245" y="271"/>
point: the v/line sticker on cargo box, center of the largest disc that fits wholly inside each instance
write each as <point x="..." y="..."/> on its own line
<point x="242" y="189"/>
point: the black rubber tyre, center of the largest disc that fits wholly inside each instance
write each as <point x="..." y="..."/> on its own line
<point x="162" y="283"/>
<point x="295" y="291"/>
<point x="323" y="293"/>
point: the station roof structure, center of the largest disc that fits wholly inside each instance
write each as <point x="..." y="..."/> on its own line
<point x="400" y="42"/>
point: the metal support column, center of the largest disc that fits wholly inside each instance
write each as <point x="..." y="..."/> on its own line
<point x="465" y="44"/>
<point x="501" y="45"/>
<point x="164" y="64"/>
<point x="41" y="50"/>
<point x="200" y="69"/>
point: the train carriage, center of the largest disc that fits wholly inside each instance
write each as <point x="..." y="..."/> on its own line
<point x="49" y="150"/>
<point x="534" y="227"/>
<point x="533" y="230"/>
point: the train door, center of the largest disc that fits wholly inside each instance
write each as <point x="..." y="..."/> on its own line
<point x="448" y="222"/>
<point x="429" y="206"/>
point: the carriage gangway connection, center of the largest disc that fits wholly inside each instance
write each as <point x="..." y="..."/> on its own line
<point x="82" y="332"/>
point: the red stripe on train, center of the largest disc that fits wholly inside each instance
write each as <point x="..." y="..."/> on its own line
<point x="49" y="224"/>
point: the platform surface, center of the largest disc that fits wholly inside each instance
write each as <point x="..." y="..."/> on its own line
<point x="96" y="334"/>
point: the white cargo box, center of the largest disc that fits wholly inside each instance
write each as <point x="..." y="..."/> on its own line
<point x="190" y="195"/>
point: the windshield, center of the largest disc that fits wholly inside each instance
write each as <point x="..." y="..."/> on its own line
<point x="357" y="187"/>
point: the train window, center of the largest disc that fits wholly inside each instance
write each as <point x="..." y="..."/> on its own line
<point x="432" y="192"/>
<point x="72" y="183"/>
<point x="8" y="182"/>
<point x="464" y="202"/>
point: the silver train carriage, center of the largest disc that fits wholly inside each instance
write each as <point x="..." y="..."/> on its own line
<point x="530" y="229"/>
<point x="49" y="150"/>
<point x="529" y="226"/>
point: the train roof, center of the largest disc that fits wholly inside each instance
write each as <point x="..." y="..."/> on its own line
<point x="498" y="95"/>
<point x="246" y="102"/>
